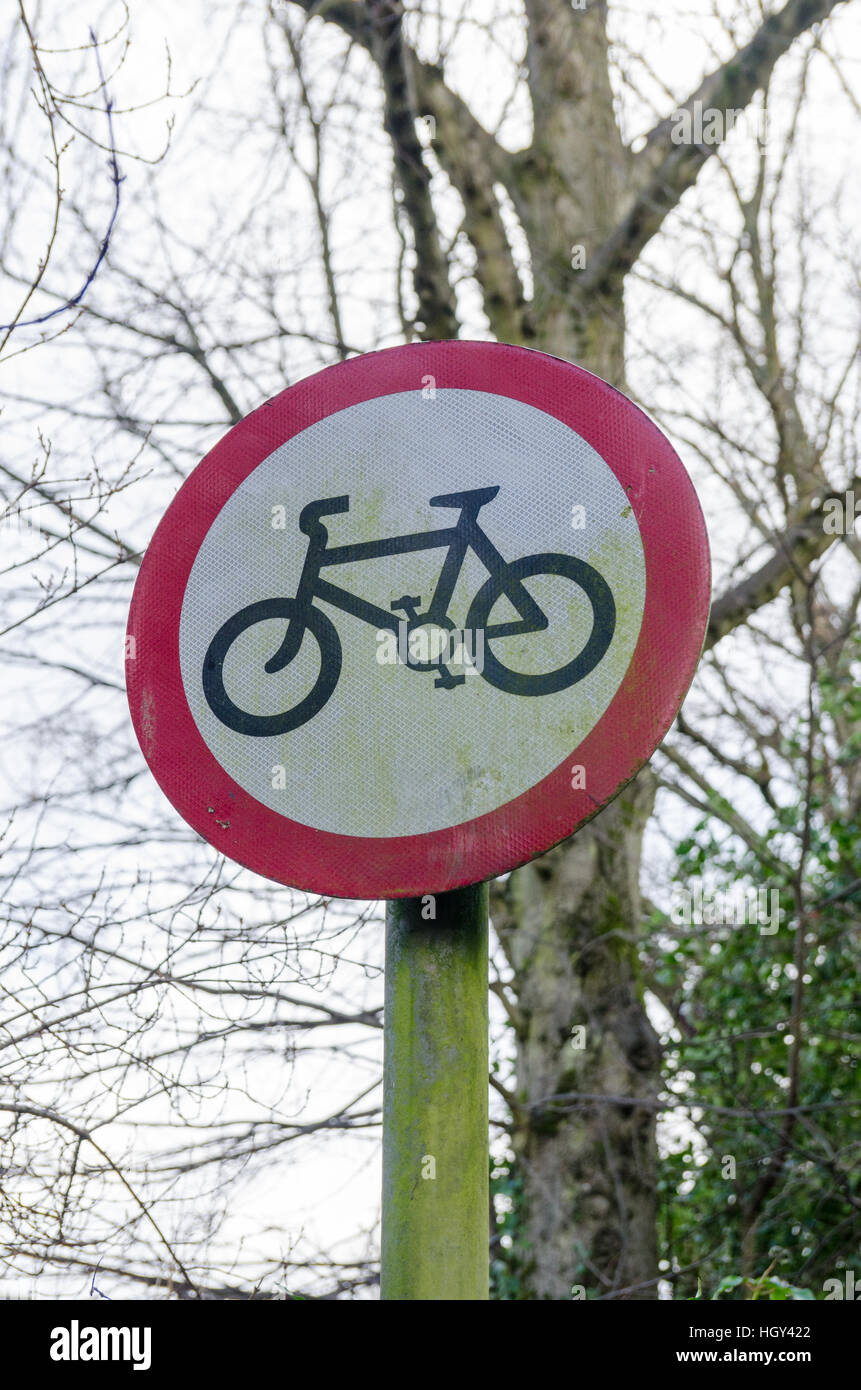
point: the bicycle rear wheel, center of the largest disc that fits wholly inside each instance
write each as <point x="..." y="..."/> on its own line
<point x="587" y="578"/>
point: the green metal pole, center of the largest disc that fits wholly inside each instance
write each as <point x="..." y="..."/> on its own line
<point x="435" y="1127"/>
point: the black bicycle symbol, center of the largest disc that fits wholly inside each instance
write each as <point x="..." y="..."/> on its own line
<point x="506" y="579"/>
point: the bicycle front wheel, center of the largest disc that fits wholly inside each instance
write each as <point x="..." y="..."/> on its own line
<point x="505" y="584"/>
<point x="266" y="725"/>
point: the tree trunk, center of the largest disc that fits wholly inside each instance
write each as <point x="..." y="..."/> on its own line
<point x="567" y="923"/>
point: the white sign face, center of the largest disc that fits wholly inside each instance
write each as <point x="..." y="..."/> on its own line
<point x="417" y="618"/>
<point x="394" y="750"/>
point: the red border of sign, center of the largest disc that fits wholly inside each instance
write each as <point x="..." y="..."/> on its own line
<point x="671" y="637"/>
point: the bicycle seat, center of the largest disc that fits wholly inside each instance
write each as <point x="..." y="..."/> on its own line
<point x="474" y="498"/>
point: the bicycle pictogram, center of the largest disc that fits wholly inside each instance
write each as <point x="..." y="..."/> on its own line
<point x="505" y="579"/>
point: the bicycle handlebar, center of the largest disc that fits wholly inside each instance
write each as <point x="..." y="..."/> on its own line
<point x="309" y="517"/>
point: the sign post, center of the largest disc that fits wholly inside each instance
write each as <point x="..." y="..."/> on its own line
<point x="435" y="1125"/>
<point x="408" y="625"/>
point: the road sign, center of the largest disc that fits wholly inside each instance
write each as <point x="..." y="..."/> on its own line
<point x="417" y="618"/>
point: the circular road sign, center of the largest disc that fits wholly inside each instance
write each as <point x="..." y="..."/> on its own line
<point x="417" y="618"/>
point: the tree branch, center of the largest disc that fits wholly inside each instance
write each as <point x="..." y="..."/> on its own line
<point x="794" y="549"/>
<point x="475" y="162"/>
<point x="667" y="174"/>
<point x="430" y="275"/>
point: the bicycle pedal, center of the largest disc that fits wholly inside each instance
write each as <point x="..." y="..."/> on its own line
<point x="447" y="681"/>
<point x="409" y="603"/>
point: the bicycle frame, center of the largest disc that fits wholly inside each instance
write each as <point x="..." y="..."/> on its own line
<point x="464" y="535"/>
